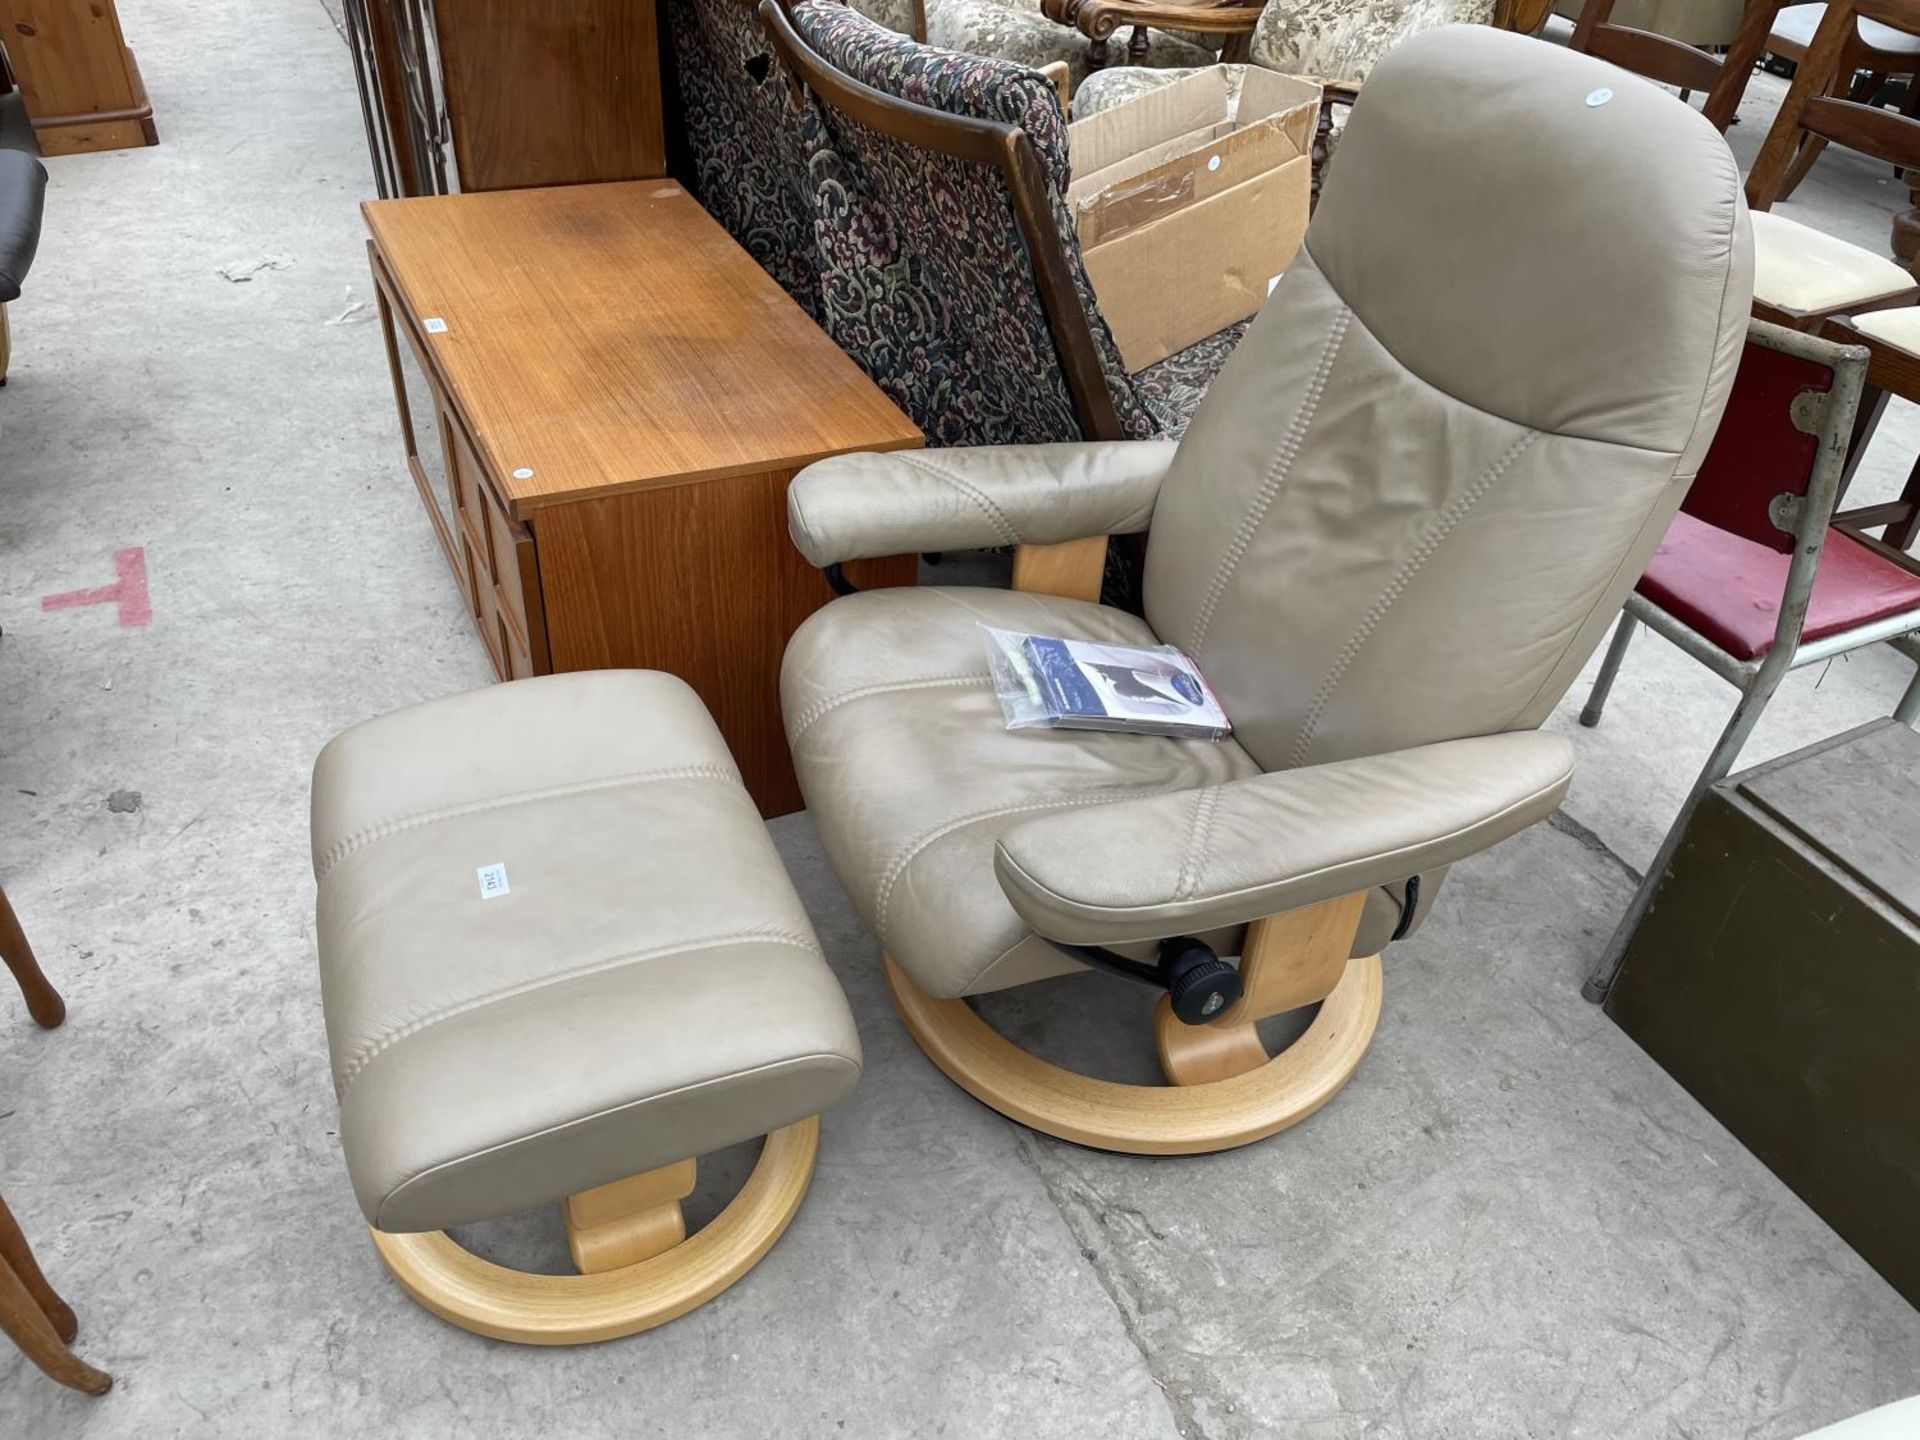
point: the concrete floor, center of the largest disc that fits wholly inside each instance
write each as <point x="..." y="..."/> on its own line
<point x="1511" y="1223"/>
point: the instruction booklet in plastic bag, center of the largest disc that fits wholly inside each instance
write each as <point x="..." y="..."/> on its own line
<point x="1085" y="685"/>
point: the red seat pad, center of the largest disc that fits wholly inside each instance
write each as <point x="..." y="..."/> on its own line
<point x="1729" y="588"/>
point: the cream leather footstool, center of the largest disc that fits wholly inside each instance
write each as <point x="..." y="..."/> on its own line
<point x="560" y="959"/>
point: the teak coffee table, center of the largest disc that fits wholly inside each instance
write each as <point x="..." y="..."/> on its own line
<point x="603" y="398"/>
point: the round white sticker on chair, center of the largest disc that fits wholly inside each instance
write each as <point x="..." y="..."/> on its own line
<point x="1597" y="98"/>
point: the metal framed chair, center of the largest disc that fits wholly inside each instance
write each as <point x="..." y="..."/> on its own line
<point x="1752" y="580"/>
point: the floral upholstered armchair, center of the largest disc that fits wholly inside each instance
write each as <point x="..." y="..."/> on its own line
<point x="744" y="136"/>
<point x="1335" y="41"/>
<point x="1014" y="30"/>
<point x="983" y="331"/>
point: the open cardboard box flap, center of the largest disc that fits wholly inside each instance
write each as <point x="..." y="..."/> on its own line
<point x="1187" y="204"/>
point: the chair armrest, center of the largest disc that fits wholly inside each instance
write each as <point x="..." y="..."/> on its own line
<point x="856" y="507"/>
<point x="1229" y="854"/>
<point x="23" y="185"/>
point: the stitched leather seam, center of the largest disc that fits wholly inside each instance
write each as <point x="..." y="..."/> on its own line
<point x="371" y="1050"/>
<point x="1204" y="806"/>
<point x="343" y="848"/>
<point x="993" y="512"/>
<point x="1276" y="476"/>
<point x="1442" y="526"/>
<point x="907" y="856"/>
<point x="820" y="709"/>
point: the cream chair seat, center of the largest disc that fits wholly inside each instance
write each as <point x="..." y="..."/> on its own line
<point x="1796" y="23"/>
<point x="1804" y="272"/>
<point x="1899" y="326"/>
<point x="1403" y="517"/>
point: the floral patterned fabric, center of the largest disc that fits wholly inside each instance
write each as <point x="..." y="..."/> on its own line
<point x="1342" y="40"/>
<point x="749" y="169"/>
<point x="896" y="15"/>
<point x="1174" y="388"/>
<point x="1117" y="84"/>
<point x="1335" y="40"/>
<point x="1016" y="30"/>
<point x="925" y="280"/>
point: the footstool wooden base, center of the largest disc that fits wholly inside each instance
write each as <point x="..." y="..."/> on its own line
<point x="506" y="1304"/>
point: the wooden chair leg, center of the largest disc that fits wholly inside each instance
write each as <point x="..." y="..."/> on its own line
<point x="15" y="1253"/>
<point x="43" y="1001"/>
<point x="36" y="1319"/>
<point x="1902" y="533"/>
<point x="30" y="1329"/>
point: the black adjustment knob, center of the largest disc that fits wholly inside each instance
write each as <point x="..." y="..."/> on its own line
<point x="1200" y="985"/>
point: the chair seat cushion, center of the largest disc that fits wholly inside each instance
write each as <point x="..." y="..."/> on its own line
<point x="23" y="188"/>
<point x="910" y="772"/>
<point x="1898" y="326"/>
<point x="1798" y="268"/>
<point x="1729" y="588"/>
<point x="646" y="988"/>
<point x="1173" y="389"/>
<point x="1796" y="23"/>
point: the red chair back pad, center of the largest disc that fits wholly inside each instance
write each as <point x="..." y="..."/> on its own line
<point x="1758" y="453"/>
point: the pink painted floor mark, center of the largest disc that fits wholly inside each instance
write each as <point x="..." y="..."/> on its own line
<point x="128" y="591"/>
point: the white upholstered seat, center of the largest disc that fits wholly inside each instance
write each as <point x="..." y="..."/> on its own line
<point x="1899" y="326"/>
<point x="1799" y="268"/>
<point x="1797" y="23"/>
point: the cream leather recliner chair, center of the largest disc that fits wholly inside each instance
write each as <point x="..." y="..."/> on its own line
<point x="1405" y="514"/>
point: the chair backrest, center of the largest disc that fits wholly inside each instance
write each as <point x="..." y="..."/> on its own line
<point x="749" y="169"/>
<point x="1422" y="486"/>
<point x="1669" y="61"/>
<point x="950" y="271"/>
<point x="1884" y="134"/>
<point x="1767" y="457"/>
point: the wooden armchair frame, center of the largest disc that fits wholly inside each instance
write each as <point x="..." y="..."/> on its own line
<point x="1009" y="150"/>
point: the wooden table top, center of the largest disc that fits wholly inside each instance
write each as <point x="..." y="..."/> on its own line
<point x="598" y="339"/>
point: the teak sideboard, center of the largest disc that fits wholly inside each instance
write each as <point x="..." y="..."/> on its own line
<point x="602" y="399"/>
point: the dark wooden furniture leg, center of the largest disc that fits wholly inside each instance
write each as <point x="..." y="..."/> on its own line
<point x="43" y="1001"/>
<point x="39" y="1321"/>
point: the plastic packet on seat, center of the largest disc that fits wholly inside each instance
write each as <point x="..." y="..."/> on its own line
<point x="1050" y="682"/>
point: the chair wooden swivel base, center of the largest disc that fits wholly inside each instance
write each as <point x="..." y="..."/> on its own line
<point x="1224" y="1089"/>
<point x="638" y="1266"/>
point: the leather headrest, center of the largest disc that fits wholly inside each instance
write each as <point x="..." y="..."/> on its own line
<point x="1462" y="269"/>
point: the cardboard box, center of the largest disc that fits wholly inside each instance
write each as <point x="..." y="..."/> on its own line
<point x="1188" y="205"/>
